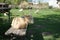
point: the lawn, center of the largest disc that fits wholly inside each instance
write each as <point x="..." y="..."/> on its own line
<point x="48" y="19"/>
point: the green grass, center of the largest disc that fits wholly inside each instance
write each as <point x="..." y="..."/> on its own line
<point x="48" y="19"/>
<point x="48" y="37"/>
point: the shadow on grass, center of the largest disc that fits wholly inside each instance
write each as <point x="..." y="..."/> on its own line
<point x="4" y="25"/>
<point x="49" y="23"/>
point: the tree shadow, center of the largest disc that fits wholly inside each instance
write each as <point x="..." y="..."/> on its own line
<point x="49" y="23"/>
<point x="4" y="26"/>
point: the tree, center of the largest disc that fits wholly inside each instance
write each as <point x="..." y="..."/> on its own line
<point x="1" y="1"/>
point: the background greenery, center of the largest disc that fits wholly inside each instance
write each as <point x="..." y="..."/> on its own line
<point x="12" y="1"/>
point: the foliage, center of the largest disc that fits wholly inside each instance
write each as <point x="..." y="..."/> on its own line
<point x="12" y="2"/>
<point x="1" y="1"/>
<point x="16" y="2"/>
